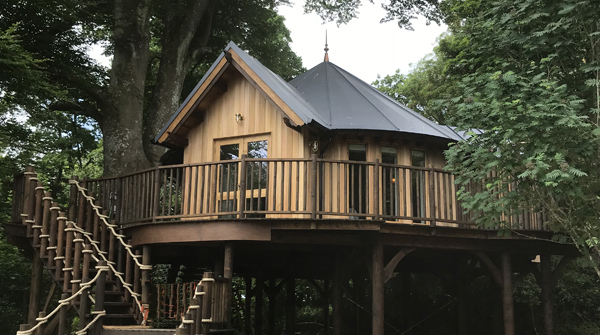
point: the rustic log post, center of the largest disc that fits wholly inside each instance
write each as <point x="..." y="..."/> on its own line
<point x="207" y="303"/>
<point x="73" y="193"/>
<point x="188" y="326"/>
<point x="194" y="315"/>
<point x="128" y="272"/>
<point x="104" y="235"/>
<point x="40" y="330"/>
<point x="432" y="195"/>
<point x="83" y="305"/>
<point x="60" y="245"/>
<point x="100" y="293"/>
<point x="200" y="303"/>
<point x="29" y="172"/>
<point x="378" y="293"/>
<point x="313" y="186"/>
<point x="228" y="273"/>
<point x="62" y="315"/>
<point x="31" y="184"/>
<point x="25" y="327"/>
<point x="45" y="233"/>
<point x="337" y="296"/>
<point x="77" y="261"/>
<point x="242" y="200"/>
<point x="68" y="258"/>
<point x="146" y="276"/>
<point x="376" y="189"/>
<point x="87" y="255"/>
<point x="271" y="295"/>
<point x="36" y="287"/>
<point x="118" y="216"/>
<point x="137" y="274"/>
<point x="290" y="306"/>
<point x="507" y="295"/>
<point x="462" y="282"/>
<point x="111" y="251"/>
<point x="52" y="239"/>
<point x="547" y="301"/>
<point x="39" y="212"/>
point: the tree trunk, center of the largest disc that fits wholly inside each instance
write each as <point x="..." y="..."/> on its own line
<point x="186" y="33"/>
<point x="123" y="129"/>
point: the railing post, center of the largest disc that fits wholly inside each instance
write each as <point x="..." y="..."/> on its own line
<point x="73" y="192"/>
<point x="119" y="200"/>
<point x="100" y="292"/>
<point x="146" y="276"/>
<point x="242" y="201"/>
<point x="206" y="305"/>
<point x="313" y="186"/>
<point x="32" y="183"/>
<point x="432" y="195"/>
<point x="40" y="330"/>
<point x="156" y="202"/>
<point x="39" y="212"/>
<point x="62" y="315"/>
<point x="376" y="189"/>
<point x="83" y="306"/>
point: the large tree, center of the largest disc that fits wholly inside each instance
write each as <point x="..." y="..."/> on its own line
<point x="157" y="43"/>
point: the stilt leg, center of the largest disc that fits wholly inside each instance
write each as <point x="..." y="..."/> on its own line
<point x="378" y="294"/>
<point x="547" y="302"/>
<point x="507" y="295"/>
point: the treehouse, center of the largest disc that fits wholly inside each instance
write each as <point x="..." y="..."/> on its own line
<point x="322" y="179"/>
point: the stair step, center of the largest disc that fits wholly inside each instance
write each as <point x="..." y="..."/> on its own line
<point x="118" y="303"/>
<point x="114" y="316"/>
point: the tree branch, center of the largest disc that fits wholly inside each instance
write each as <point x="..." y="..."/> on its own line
<point x="82" y="108"/>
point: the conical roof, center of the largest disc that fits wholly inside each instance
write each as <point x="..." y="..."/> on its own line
<point x="345" y="102"/>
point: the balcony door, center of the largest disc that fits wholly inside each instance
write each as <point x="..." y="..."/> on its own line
<point x="255" y="147"/>
<point x="417" y="184"/>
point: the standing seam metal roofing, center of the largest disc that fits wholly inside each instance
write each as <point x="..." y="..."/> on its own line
<point x="336" y="99"/>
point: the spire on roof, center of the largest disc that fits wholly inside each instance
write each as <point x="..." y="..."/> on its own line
<point x="326" y="48"/>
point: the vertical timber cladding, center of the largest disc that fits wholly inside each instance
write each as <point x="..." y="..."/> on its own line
<point x="261" y="120"/>
<point x="338" y="149"/>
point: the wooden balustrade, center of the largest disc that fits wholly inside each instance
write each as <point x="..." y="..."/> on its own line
<point x="292" y="188"/>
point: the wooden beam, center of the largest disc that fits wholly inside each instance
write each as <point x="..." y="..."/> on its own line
<point x="494" y="271"/>
<point x="378" y="292"/>
<point x="388" y="271"/>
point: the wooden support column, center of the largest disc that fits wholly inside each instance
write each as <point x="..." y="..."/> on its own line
<point x="462" y="284"/>
<point x="62" y="316"/>
<point x="325" y="307"/>
<point x="146" y="276"/>
<point x="248" y="306"/>
<point x="378" y="294"/>
<point x="507" y="295"/>
<point x="290" y="307"/>
<point x="228" y="273"/>
<point x="271" y="294"/>
<point x="547" y="285"/>
<point x="337" y="297"/>
<point x="36" y="287"/>
<point x="258" y="307"/>
<point x="206" y="304"/>
<point x="100" y="295"/>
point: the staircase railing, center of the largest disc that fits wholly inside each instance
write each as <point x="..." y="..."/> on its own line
<point x="68" y="249"/>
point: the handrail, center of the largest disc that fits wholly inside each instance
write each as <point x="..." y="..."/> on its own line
<point x="315" y="188"/>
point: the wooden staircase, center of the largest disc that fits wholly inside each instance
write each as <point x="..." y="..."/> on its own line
<point x="73" y="246"/>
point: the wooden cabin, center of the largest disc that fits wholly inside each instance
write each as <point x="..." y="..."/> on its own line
<point x="322" y="178"/>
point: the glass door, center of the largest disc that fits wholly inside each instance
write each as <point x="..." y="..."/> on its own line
<point x="389" y="155"/>
<point x="357" y="178"/>
<point x="417" y="184"/>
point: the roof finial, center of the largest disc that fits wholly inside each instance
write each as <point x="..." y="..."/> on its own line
<point x="326" y="48"/>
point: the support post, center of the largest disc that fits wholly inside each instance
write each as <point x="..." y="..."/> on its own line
<point x="337" y="296"/>
<point x="258" y="307"/>
<point x="462" y="281"/>
<point x="36" y="287"/>
<point x="146" y="276"/>
<point x="83" y="306"/>
<point x="313" y="187"/>
<point x="62" y="316"/>
<point x="376" y="189"/>
<point x="242" y="201"/>
<point x="248" y="306"/>
<point x="325" y="307"/>
<point x="156" y="196"/>
<point x="39" y="212"/>
<point x="206" y="305"/>
<point x="507" y="295"/>
<point x="547" y="303"/>
<point x="377" y="283"/>
<point x="228" y="273"/>
<point x="40" y="330"/>
<point x="432" y="195"/>
<point x="272" y="293"/>
<point x="290" y="307"/>
<point x="100" y="293"/>
<point x="45" y="233"/>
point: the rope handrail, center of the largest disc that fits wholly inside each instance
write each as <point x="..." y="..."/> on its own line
<point x="64" y="302"/>
<point x="119" y="237"/>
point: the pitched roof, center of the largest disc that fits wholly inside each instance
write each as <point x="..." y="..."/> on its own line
<point x="346" y="102"/>
<point x="326" y="94"/>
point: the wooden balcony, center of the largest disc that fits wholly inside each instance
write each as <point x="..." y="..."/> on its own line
<point x="316" y="189"/>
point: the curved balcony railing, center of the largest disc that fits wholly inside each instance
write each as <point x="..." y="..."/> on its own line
<point x="291" y="189"/>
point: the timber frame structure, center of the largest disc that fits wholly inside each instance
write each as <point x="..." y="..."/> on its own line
<point x="322" y="178"/>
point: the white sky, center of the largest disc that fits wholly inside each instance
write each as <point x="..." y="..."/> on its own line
<point x="364" y="47"/>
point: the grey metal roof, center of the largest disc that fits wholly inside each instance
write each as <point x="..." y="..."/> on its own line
<point x="346" y="102"/>
<point x="336" y="99"/>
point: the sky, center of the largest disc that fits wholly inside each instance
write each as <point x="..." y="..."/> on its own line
<point x="363" y="47"/>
